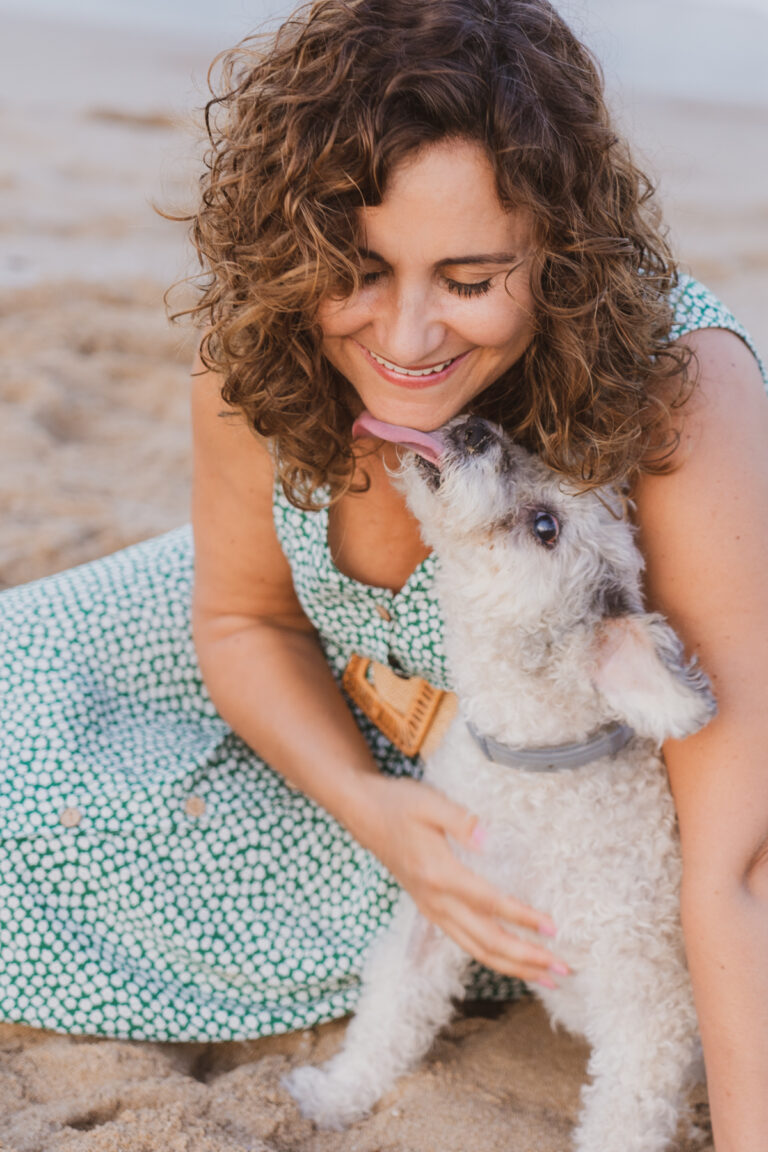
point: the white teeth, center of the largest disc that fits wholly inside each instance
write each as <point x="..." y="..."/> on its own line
<point x="411" y="371"/>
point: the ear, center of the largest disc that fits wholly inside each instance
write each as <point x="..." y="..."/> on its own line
<point x="641" y="673"/>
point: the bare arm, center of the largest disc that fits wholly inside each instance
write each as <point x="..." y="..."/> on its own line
<point x="267" y="676"/>
<point x="258" y="652"/>
<point x="705" y="536"/>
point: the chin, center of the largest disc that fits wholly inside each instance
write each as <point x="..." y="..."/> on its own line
<point x="423" y="414"/>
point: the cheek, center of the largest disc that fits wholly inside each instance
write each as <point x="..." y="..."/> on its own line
<point x="500" y="324"/>
<point x="340" y="317"/>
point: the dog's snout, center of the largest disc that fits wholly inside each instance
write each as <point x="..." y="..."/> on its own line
<point x="475" y="435"/>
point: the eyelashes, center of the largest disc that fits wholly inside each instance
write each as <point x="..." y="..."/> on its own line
<point x="455" y="286"/>
<point x="465" y="290"/>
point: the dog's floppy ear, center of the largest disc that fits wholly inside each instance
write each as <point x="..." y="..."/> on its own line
<point x="641" y="673"/>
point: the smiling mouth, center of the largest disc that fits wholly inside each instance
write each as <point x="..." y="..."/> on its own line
<point x="431" y="370"/>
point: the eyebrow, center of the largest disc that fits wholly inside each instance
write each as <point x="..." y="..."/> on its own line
<point x="451" y="261"/>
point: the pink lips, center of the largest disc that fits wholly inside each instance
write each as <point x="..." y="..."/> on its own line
<point x="413" y="382"/>
<point x="427" y="444"/>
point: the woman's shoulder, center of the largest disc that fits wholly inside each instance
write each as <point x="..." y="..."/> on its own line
<point x="695" y="307"/>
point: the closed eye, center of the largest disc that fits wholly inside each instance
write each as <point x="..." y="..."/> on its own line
<point x="460" y="289"/>
<point x="456" y="286"/>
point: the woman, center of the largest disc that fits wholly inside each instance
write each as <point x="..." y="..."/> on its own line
<point x="410" y="210"/>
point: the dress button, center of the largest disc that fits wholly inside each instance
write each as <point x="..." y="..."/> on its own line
<point x="382" y="611"/>
<point x="194" y="806"/>
<point x="70" y="817"/>
<point x="397" y="667"/>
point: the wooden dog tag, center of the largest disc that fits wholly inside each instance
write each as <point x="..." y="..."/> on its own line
<point x="410" y="712"/>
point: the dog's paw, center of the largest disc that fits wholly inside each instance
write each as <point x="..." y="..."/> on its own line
<point x="323" y="1099"/>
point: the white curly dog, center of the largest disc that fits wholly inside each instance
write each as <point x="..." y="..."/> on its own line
<point x="555" y="663"/>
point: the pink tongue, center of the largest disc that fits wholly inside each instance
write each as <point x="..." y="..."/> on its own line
<point x="427" y="444"/>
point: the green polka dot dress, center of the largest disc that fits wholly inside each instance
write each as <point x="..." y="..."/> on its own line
<point x="158" y="880"/>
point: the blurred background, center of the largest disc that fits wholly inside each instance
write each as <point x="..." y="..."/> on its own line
<point x="99" y="118"/>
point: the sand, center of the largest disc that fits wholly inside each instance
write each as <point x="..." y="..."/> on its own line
<point x="95" y="455"/>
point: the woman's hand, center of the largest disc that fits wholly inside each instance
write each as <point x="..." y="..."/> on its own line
<point x="408" y="825"/>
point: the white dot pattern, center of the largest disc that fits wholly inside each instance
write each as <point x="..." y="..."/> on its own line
<point x="159" y="881"/>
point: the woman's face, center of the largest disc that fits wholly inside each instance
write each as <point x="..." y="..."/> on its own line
<point x="446" y="290"/>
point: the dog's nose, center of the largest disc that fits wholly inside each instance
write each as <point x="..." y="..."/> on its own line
<point x="475" y="435"/>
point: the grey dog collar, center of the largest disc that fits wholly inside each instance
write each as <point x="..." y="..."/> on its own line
<point x="605" y="742"/>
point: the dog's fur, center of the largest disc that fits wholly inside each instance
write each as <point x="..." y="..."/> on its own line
<point x="547" y="643"/>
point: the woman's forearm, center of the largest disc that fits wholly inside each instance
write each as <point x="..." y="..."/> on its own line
<point x="274" y="687"/>
<point x="726" y="934"/>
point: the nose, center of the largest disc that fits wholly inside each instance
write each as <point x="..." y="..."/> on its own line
<point x="407" y="327"/>
<point x="474" y="435"/>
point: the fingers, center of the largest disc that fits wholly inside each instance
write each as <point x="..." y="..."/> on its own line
<point x="489" y="901"/>
<point x="496" y="947"/>
<point x="478" y="915"/>
<point x="464" y="827"/>
<point x="454" y="820"/>
<point x="465" y="905"/>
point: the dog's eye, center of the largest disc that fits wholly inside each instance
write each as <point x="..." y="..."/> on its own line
<point x="546" y="528"/>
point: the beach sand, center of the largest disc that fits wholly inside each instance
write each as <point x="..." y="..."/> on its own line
<point x="95" y="456"/>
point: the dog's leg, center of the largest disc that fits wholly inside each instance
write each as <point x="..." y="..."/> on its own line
<point x="645" y="1055"/>
<point x="410" y="977"/>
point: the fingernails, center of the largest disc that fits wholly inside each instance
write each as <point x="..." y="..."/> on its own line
<point x="559" y="969"/>
<point x="547" y="928"/>
<point x="479" y="835"/>
<point x="547" y="982"/>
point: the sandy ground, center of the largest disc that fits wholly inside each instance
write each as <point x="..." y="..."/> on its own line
<point x="504" y="1085"/>
<point x="94" y="455"/>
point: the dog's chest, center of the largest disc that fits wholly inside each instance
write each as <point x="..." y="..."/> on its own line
<point x="603" y="835"/>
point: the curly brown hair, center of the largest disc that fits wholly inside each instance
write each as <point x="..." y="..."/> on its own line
<point x="306" y="129"/>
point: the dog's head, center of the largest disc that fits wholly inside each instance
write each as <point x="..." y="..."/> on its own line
<point x="541" y="560"/>
<point x="564" y="552"/>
